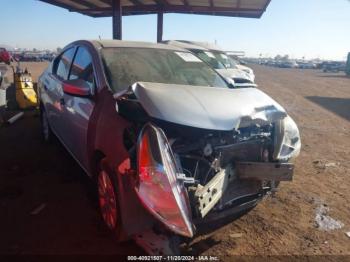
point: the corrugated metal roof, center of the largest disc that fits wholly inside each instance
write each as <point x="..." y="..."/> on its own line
<point x="102" y="8"/>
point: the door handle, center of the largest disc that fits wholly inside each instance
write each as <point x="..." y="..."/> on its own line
<point x="62" y="102"/>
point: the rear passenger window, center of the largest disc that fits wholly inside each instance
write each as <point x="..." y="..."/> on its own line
<point x="82" y="67"/>
<point x="62" y="66"/>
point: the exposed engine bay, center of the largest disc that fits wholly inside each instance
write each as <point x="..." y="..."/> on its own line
<point x="208" y="170"/>
<point x="209" y="159"/>
<point x="214" y="154"/>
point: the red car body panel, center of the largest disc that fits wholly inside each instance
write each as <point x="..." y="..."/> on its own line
<point x="5" y="56"/>
<point x="105" y="140"/>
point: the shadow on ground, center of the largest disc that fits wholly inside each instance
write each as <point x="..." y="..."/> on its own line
<point x="339" y="106"/>
<point x="44" y="178"/>
<point x="202" y="245"/>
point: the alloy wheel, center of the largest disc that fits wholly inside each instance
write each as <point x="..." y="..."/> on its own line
<point x="107" y="200"/>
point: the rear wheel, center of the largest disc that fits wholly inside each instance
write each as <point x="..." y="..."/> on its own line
<point x="108" y="201"/>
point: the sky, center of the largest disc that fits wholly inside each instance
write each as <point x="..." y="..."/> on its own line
<point x="298" y="28"/>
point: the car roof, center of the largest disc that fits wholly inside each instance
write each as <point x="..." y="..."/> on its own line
<point x="132" y="44"/>
<point x="194" y="45"/>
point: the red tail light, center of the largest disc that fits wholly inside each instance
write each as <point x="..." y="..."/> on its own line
<point x="159" y="189"/>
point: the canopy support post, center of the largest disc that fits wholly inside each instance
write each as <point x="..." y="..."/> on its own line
<point x="160" y="27"/>
<point x="117" y="19"/>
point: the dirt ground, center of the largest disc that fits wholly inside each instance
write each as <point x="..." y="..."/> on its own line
<point x="34" y="175"/>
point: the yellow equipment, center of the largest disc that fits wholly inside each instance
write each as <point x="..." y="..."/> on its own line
<point x="25" y="94"/>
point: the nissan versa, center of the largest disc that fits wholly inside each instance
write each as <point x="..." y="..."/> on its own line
<point x="171" y="145"/>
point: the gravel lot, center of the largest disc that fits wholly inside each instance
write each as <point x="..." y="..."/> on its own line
<point x="34" y="175"/>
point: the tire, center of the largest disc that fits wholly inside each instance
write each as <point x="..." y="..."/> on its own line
<point x="107" y="189"/>
<point x="46" y="131"/>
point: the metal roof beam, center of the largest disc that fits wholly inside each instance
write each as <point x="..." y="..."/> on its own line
<point x="159" y="27"/>
<point x="117" y="19"/>
<point x="129" y="13"/>
<point x="162" y="2"/>
<point x="211" y="3"/>
<point x="84" y="3"/>
<point x="136" y="2"/>
<point x="171" y="8"/>
<point x="107" y="2"/>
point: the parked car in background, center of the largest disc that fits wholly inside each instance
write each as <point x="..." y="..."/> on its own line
<point x="218" y="60"/>
<point x="170" y="144"/>
<point x="333" y="66"/>
<point x="30" y="57"/>
<point x="270" y="63"/>
<point x="240" y="64"/>
<point x="306" y="65"/>
<point x="5" y="56"/>
<point x="48" y="57"/>
<point x="348" y="65"/>
<point x="288" y="64"/>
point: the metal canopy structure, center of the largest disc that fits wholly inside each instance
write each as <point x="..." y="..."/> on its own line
<point x="118" y="8"/>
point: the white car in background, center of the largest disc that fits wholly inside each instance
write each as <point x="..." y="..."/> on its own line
<point x="244" y="68"/>
<point x="227" y="67"/>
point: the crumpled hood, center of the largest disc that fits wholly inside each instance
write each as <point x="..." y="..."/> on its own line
<point x="207" y="107"/>
<point x="234" y="73"/>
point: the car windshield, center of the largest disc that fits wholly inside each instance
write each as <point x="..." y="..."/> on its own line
<point x="227" y="61"/>
<point x="124" y="66"/>
<point x="209" y="58"/>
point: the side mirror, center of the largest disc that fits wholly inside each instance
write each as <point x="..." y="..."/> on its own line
<point x="77" y="87"/>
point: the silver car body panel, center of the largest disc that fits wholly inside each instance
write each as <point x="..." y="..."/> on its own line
<point x="234" y="73"/>
<point x="246" y="69"/>
<point x="207" y="107"/>
<point x="76" y="114"/>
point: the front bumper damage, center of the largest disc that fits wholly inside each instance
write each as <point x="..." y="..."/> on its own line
<point x="222" y="197"/>
<point x="218" y="164"/>
<point x="213" y="193"/>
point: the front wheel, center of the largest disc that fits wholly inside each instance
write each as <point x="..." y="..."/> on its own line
<point x="108" y="201"/>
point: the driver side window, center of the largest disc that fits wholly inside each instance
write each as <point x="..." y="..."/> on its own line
<point x="62" y="65"/>
<point x="82" y="67"/>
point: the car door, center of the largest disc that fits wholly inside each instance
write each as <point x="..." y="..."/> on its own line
<point x="53" y="89"/>
<point x="77" y="109"/>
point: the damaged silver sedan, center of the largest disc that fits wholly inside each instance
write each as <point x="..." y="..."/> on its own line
<point x="172" y="147"/>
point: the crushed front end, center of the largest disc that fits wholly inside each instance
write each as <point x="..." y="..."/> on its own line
<point x="189" y="176"/>
<point x="231" y="169"/>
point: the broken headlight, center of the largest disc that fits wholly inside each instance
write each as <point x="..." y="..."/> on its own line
<point x="159" y="188"/>
<point x="291" y="144"/>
